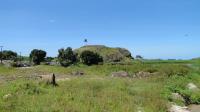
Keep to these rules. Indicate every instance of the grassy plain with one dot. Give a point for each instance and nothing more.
(97, 91)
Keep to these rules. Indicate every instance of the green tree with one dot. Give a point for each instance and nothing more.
(9, 55)
(37, 56)
(66, 57)
(90, 58)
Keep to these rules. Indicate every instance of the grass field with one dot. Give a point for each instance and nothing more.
(97, 91)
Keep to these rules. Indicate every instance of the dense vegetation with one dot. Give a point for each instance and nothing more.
(107, 53)
(8, 55)
(66, 57)
(37, 56)
(89, 58)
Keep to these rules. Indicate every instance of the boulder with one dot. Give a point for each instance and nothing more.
(176, 108)
(177, 96)
(142, 74)
(49, 79)
(78, 73)
(120, 74)
(192, 86)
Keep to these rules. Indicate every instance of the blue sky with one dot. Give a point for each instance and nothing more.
(152, 28)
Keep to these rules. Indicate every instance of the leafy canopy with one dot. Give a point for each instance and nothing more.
(90, 58)
(37, 56)
(66, 57)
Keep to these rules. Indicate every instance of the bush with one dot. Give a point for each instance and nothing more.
(37, 56)
(49, 59)
(15, 64)
(90, 58)
(66, 57)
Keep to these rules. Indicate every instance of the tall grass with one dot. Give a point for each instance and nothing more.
(84, 95)
(97, 91)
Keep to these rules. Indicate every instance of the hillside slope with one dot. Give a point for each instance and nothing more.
(109, 54)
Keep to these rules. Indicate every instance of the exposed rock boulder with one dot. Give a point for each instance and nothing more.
(177, 96)
(120, 74)
(192, 86)
(142, 74)
(176, 108)
(49, 79)
(78, 73)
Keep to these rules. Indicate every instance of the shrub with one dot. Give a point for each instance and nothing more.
(90, 58)
(15, 64)
(66, 57)
(49, 59)
(37, 56)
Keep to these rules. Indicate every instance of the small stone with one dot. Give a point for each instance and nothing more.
(192, 86)
(5, 97)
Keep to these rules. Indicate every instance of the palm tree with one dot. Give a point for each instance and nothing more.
(86, 41)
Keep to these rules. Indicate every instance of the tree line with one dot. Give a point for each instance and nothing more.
(66, 57)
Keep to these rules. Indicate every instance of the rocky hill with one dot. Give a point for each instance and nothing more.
(109, 54)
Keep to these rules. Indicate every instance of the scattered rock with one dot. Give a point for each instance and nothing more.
(49, 79)
(8, 96)
(78, 73)
(176, 108)
(120, 74)
(142, 74)
(192, 86)
(177, 96)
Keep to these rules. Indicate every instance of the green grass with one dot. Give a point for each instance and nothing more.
(178, 84)
(97, 91)
(83, 95)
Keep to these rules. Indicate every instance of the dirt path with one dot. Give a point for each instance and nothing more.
(194, 108)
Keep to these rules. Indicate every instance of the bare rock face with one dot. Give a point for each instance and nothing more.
(192, 86)
(120, 74)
